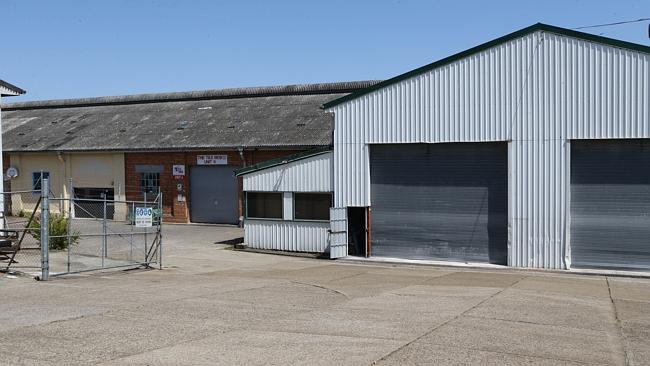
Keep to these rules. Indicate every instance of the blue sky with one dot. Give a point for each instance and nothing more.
(68, 48)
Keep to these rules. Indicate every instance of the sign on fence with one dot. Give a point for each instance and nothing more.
(143, 217)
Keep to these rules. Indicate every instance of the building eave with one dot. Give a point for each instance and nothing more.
(495, 42)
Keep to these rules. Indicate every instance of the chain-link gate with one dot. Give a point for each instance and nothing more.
(84, 234)
(19, 247)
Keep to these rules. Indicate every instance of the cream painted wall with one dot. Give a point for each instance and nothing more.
(87, 170)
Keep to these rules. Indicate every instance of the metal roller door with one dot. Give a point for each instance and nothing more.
(610, 204)
(440, 201)
(214, 193)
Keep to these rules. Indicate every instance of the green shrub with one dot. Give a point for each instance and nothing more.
(58, 228)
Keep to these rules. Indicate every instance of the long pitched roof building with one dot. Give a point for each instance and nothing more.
(128, 146)
(261, 117)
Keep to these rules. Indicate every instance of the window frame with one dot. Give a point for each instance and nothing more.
(143, 179)
(293, 199)
(246, 206)
(36, 179)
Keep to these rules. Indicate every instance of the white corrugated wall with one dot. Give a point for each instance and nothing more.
(537, 92)
(293, 236)
(312, 174)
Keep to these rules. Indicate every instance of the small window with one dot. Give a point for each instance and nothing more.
(36, 179)
(150, 182)
(264, 205)
(312, 206)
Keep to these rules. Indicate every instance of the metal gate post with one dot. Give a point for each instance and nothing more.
(104, 248)
(45, 229)
(146, 259)
(70, 203)
(160, 235)
(132, 225)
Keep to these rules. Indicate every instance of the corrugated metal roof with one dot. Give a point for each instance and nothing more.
(283, 160)
(263, 117)
(495, 42)
(10, 89)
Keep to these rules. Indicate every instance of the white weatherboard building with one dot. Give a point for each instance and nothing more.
(532, 150)
(287, 202)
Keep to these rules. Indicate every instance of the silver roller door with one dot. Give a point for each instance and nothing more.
(610, 204)
(440, 201)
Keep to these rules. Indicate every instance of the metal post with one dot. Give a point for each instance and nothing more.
(45, 229)
(132, 225)
(160, 235)
(104, 248)
(146, 260)
(70, 203)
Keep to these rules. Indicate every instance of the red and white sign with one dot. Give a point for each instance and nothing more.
(212, 159)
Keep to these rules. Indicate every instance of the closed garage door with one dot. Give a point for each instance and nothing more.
(610, 204)
(214, 193)
(440, 201)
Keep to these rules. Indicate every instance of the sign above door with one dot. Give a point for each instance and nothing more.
(212, 159)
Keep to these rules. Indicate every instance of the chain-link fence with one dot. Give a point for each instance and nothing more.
(19, 247)
(84, 234)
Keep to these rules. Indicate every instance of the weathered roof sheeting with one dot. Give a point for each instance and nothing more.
(264, 117)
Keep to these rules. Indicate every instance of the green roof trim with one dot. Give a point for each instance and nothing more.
(520, 33)
(283, 160)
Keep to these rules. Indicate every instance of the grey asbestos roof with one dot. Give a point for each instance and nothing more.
(263, 117)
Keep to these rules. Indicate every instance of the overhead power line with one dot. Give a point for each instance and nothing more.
(616, 23)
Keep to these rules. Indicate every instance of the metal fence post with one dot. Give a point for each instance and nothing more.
(132, 225)
(70, 203)
(146, 260)
(45, 229)
(104, 248)
(160, 235)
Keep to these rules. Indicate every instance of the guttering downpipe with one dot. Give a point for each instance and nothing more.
(241, 155)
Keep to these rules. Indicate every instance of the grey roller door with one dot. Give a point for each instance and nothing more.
(610, 204)
(440, 201)
(214, 195)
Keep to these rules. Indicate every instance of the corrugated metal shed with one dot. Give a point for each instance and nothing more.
(310, 171)
(309, 174)
(264, 117)
(537, 89)
(290, 236)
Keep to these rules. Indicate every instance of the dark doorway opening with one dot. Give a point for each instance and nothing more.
(89, 203)
(357, 232)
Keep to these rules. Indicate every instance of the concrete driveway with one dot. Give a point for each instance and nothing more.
(215, 306)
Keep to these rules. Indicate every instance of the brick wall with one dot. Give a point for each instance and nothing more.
(173, 210)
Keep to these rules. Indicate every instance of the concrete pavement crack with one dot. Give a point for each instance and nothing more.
(324, 288)
(436, 327)
(619, 326)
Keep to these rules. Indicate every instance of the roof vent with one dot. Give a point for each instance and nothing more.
(183, 125)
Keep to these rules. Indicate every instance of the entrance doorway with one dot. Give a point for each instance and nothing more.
(357, 231)
(89, 203)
